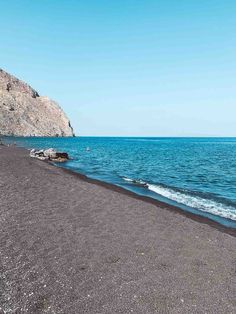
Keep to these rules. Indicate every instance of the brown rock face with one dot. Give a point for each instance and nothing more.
(24, 113)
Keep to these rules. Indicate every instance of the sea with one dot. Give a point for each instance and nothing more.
(197, 175)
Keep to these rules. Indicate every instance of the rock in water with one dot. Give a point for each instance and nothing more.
(49, 154)
(24, 113)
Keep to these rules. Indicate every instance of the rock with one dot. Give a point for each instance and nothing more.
(32, 153)
(59, 159)
(62, 155)
(23, 112)
(49, 154)
(37, 153)
(42, 158)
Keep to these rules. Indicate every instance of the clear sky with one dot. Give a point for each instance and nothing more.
(135, 68)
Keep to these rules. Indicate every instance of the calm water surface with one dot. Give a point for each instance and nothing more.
(196, 174)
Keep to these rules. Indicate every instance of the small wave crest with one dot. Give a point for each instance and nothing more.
(193, 201)
(137, 182)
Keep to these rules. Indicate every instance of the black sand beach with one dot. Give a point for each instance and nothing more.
(69, 245)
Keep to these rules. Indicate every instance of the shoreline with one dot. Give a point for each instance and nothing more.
(194, 201)
(157, 203)
(199, 218)
(70, 244)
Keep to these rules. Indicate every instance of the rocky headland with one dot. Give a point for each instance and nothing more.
(23, 112)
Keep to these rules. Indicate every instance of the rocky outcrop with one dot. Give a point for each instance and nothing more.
(49, 154)
(23, 112)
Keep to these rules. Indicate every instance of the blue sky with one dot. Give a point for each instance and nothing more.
(135, 68)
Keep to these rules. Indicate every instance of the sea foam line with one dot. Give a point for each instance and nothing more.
(196, 202)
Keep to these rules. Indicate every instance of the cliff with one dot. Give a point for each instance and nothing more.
(24, 113)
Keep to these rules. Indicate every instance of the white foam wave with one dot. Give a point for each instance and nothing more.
(138, 182)
(127, 179)
(196, 202)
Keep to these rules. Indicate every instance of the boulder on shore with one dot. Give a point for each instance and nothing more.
(49, 154)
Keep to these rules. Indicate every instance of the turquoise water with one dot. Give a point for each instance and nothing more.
(196, 174)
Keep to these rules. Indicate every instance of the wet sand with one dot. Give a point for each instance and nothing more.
(72, 245)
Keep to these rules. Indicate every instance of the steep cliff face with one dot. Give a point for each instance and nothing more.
(24, 113)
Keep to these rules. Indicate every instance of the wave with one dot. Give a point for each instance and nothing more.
(136, 182)
(193, 201)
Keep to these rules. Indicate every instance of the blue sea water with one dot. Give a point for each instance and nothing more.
(195, 174)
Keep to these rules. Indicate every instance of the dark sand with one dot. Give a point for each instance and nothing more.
(71, 246)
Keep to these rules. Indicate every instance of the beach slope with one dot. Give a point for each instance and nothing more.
(71, 246)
